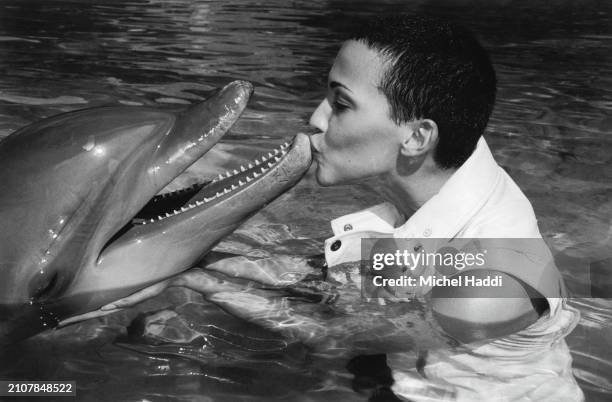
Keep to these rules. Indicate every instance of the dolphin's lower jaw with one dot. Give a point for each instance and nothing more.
(92, 171)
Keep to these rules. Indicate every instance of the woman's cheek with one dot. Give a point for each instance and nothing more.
(333, 140)
(340, 129)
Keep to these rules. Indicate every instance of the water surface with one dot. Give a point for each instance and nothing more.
(550, 130)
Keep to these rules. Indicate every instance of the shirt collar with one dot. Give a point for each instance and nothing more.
(465, 192)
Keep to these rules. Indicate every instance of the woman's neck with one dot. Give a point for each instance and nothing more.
(410, 192)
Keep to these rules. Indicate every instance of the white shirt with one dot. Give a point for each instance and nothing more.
(480, 200)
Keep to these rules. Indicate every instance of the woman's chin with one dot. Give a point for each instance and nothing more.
(324, 178)
(323, 182)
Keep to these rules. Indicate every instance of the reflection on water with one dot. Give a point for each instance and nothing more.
(550, 130)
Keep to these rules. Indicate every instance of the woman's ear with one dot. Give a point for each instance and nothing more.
(419, 137)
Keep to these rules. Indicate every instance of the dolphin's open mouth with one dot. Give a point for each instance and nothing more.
(204, 194)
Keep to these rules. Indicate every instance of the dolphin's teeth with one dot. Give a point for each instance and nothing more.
(276, 151)
(270, 164)
(248, 179)
(234, 186)
(152, 220)
(227, 190)
(255, 175)
(264, 170)
(263, 158)
(168, 215)
(235, 171)
(183, 209)
(220, 176)
(277, 158)
(219, 194)
(198, 203)
(242, 168)
(159, 218)
(228, 174)
(257, 162)
(192, 205)
(250, 166)
(285, 145)
(208, 199)
(240, 182)
(270, 154)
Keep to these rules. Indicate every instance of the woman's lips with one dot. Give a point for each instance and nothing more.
(316, 155)
(313, 148)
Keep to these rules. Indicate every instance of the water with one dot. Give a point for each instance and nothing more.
(550, 130)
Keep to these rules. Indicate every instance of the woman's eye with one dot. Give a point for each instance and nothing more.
(339, 106)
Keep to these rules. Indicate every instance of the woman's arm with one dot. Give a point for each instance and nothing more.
(268, 271)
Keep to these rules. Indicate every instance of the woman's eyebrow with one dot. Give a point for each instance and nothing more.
(336, 84)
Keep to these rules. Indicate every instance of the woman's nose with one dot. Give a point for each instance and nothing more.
(320, 116)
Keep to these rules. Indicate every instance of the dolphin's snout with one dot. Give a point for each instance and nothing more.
(244, 86)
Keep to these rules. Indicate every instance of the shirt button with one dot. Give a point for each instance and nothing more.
(348, 227)
(336, 245)
(427, 232)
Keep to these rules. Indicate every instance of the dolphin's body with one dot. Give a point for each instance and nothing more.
(80, 223)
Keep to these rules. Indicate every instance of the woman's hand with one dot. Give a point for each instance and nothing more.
(270, 270)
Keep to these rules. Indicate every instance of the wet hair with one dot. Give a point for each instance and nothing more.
(438, 71)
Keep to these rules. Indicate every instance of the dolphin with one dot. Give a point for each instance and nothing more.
(82, 221)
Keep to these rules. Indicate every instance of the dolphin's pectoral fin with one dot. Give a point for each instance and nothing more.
(87, 316)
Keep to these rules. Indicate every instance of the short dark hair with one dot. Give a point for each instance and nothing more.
(436, 71)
